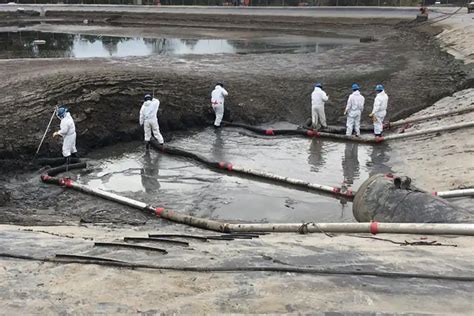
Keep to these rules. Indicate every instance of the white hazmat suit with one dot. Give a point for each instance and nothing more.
(318, 97)
(354, 108)
(149, 120)
(68, 132)
(217, 102)
(379, 111)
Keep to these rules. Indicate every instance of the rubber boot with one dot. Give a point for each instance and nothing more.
(75, 155)
(67, 161)
(147, 146)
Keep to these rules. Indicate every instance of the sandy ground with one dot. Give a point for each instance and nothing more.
(49, 288)
(444, 161)
(458, 36)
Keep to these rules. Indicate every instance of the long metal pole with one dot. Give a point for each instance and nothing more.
(46, 131)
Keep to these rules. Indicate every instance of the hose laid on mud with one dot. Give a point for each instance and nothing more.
(308, 133)
(229, 167)
(430, 131)
(278, 269)
(373, 227)
(389, 125)
(455, 193)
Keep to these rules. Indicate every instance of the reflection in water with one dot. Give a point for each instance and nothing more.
(21, 45)
(350, 163)
(379, 157)
(194, 189)
(316, 158)
(218, 146)
(149, 172)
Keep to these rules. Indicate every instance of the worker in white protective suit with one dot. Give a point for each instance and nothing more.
(67, 130)
(217, 102)
(354, 108)
(149, 120)
(380, 110)
(318, 97)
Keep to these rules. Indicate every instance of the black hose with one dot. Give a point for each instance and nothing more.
(55, 161)
(315, 271)
(330, 133)
(269, 131)
(146, 239)
(138, 247)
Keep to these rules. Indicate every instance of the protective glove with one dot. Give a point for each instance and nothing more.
(55, 134)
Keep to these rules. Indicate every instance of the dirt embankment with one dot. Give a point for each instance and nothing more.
(105, 94)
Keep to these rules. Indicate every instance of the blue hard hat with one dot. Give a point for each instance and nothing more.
(147, 97)
(318, 85)
(355, 86)
(379, 87)
(62, 111)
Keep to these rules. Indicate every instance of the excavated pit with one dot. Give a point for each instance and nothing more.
(104, 96)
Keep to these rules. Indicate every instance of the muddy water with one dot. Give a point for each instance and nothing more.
(34, 44)
(185, 185)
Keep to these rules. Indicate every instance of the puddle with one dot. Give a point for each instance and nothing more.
(35, 44)
(184, 185)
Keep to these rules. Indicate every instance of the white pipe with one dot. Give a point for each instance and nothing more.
(314, 186)
(455, 193)
(431, 116)
(373, 227)
(429, 131)
(106, 195)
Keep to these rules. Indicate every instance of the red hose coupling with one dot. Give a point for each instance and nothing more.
(435, 193)
(349, 192)
(389, 176)
(159, 211)
(336, 190)
(45, 177)
(312, 133)
(269, 132)
(374, 228)
(66, 182)
(379, 139)
(225, 165)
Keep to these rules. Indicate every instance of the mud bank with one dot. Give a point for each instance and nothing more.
(104, 94)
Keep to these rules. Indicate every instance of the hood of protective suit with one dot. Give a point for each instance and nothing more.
(67, 115)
